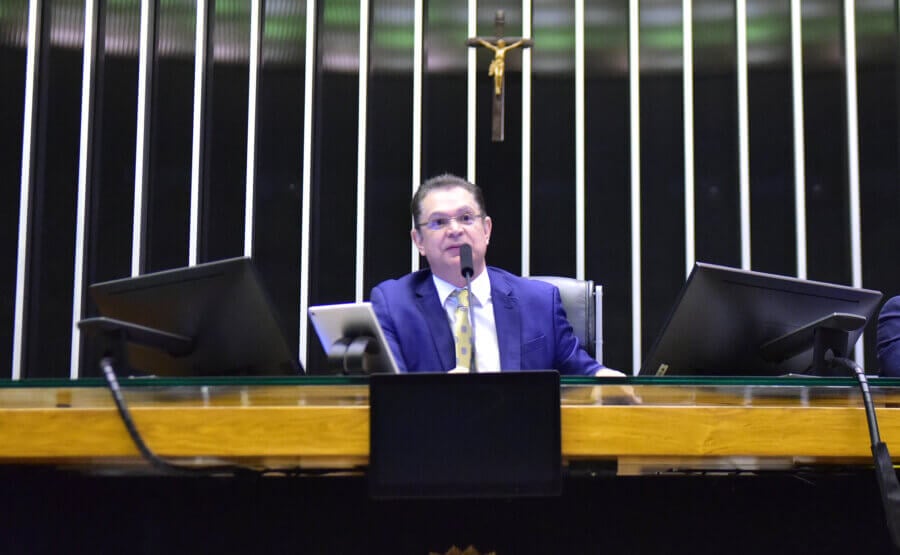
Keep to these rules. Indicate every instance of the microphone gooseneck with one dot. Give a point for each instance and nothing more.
(885, 475)
(467, 270)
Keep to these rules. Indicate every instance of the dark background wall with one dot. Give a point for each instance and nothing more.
(277, 241)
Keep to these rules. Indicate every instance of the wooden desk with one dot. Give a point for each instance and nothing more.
(303, 423)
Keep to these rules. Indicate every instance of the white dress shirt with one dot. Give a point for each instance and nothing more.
(487, 351)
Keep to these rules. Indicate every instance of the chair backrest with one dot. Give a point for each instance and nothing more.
(580, 301)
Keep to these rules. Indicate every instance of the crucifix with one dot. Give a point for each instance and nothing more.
(499, 45)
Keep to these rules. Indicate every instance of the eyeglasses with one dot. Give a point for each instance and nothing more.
(443, 222)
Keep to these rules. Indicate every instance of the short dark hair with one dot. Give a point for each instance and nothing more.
(443, 181)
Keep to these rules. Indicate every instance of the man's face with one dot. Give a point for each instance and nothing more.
(452, 207)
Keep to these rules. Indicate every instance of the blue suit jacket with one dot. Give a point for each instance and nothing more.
(532, 330)
(889, 338)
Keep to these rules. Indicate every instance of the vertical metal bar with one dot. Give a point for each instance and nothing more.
(418, 68)
(799, 144)
(743, 132)
(634, 85)
(30, 116)
(197, 145)
(361, 149)
(84, 170)
(687, 80)
(145, 68)
(472, 30)
(526, 141)
(579, 141)
(853, 149)
(256, 26)
(308, 91)
(598, 323)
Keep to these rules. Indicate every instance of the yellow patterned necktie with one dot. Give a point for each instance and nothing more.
(462, 330)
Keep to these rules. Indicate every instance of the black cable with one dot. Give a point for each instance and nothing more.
(162, 465)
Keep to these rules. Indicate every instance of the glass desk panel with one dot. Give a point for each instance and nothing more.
(641, 424)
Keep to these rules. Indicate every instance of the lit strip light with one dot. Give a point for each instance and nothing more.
(634, 84)
(579, 141)
(34, 24)
(853, 150)
(418, 67)
(307, 173)
(148, 14)
(470, 97)
(526, 141)
(361, 149)
(199, 83)
(743, 132)
(687, 81)
(256, 22)
(799, 145)
(84, 152)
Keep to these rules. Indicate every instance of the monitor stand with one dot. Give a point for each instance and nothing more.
(116, 333)
(831, 333)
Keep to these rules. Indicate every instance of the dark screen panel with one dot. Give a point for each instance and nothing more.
(825, 131)
(662, 164)
(51, 237)
(279, 161)
(444, 92)
(225, 153)
(111, 192)
(332, 271)
(553, 174)
(510, 420)
(13, 30)
(389, 143)
(772, 219)
(115, 128)
(168, 194)
(553, 146)
(878, 91)
(607, 173)
(717, 224)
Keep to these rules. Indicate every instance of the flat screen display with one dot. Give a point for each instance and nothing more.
(220, 306)
(724, 316)
(465, 435)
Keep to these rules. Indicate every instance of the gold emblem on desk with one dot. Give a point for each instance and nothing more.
(457, 551)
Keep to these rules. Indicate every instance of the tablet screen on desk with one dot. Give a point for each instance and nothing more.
(338, 323)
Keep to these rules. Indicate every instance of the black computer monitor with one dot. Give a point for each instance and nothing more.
(726, 322)
(214, 319)
(494, 434)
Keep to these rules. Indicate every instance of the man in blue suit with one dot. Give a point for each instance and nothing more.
(889, 338)
(520, 324)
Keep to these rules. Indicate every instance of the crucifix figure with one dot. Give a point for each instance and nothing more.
(499, 45)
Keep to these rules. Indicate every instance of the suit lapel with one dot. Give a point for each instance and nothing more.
(508, 318)
(433, 312)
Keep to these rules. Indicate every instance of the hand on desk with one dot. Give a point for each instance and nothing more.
(609, 373)
(613, 394)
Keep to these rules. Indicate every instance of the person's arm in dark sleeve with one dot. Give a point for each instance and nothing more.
(383, 313)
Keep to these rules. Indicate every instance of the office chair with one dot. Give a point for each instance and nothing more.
(583, 303)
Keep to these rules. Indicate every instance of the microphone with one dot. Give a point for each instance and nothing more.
(467, 269)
